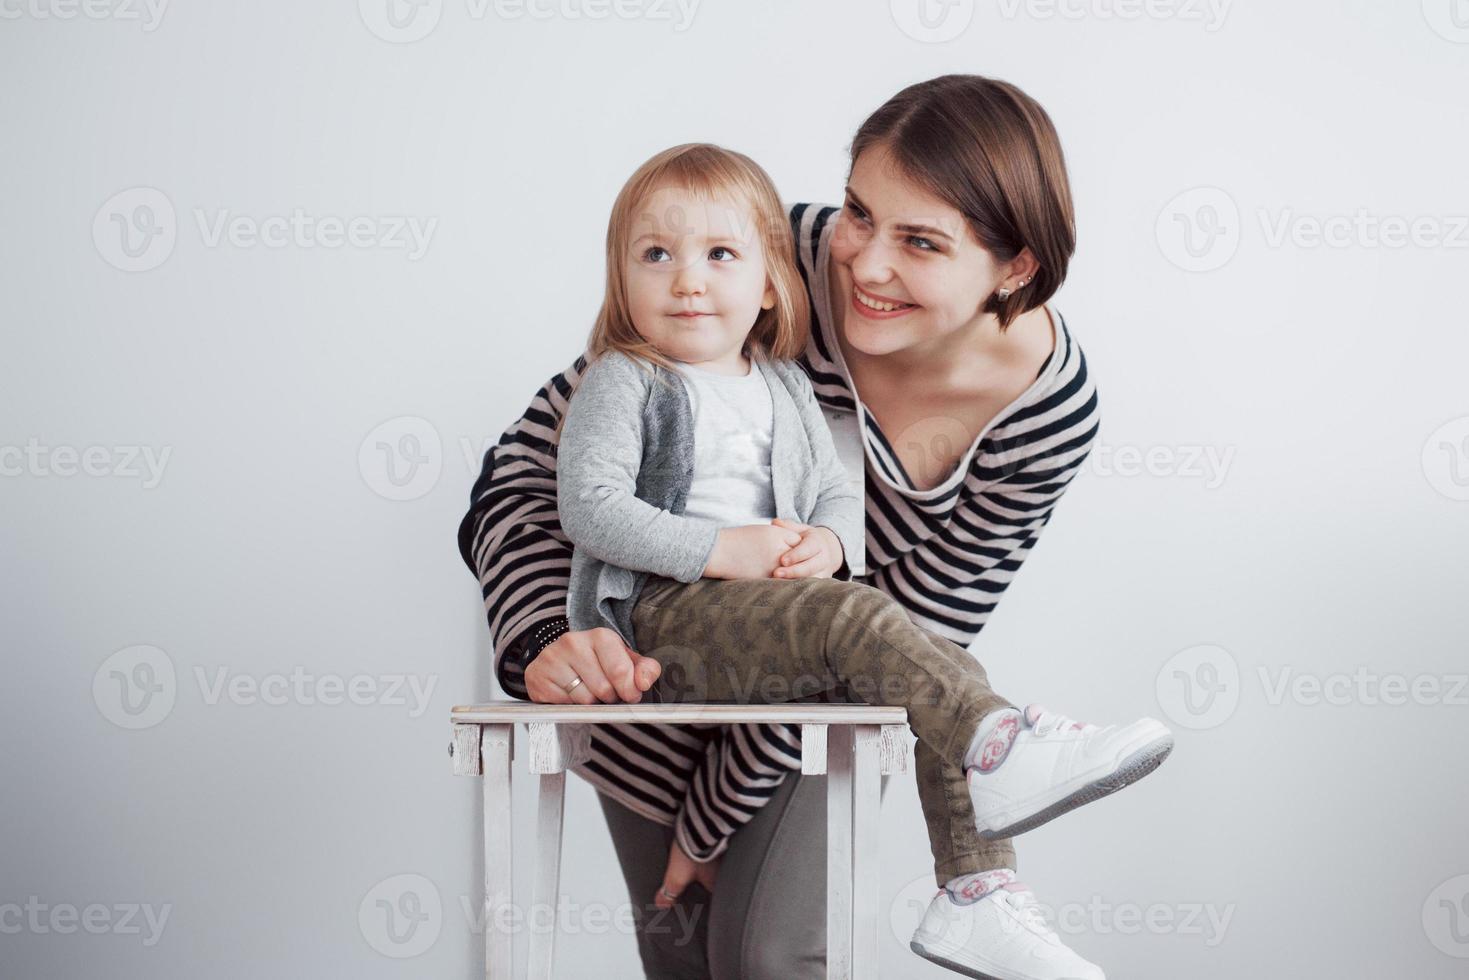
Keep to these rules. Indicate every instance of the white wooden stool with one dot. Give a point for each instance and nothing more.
(868, 740)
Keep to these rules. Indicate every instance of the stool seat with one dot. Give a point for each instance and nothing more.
(868, 740)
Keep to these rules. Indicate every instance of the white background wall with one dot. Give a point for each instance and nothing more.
(1287, 836)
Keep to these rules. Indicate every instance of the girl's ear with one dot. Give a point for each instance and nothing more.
(768, 302)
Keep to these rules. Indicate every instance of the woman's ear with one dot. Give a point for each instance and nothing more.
(1023, 268)
(768, 302)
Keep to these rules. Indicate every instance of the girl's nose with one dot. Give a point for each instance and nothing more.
(688, 282)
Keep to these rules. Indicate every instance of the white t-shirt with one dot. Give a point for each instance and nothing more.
(734, 422)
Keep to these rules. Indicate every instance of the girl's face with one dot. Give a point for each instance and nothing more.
(695, 274)
(908, 271)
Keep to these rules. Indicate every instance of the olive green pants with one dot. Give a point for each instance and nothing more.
(766, 641)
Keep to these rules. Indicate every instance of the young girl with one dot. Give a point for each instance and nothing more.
(712, 520)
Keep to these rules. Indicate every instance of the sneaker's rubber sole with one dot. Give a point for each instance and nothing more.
(1133, 768)
(944, 961)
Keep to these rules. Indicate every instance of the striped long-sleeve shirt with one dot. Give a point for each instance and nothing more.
(945, 553)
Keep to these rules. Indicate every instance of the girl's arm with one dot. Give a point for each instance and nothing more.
(600, 458)
(838, 501)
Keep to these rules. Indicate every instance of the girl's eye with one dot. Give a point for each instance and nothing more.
(651, 254)
(720, 248)
(927, 245)
(857, 212)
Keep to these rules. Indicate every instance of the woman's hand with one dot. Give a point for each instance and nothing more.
(683, 869)
(610, 670)
(751, 551)
(818, 555)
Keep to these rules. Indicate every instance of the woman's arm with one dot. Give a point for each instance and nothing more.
(511, 537)
(600, 457)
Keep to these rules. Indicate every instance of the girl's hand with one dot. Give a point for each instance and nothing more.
(819, 555)
(682, 870)
(610, 670)
(751, 551)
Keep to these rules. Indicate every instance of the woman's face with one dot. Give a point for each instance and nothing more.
(695, 274)
(898, 247)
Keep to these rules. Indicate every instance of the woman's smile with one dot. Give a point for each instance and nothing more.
(878, 307)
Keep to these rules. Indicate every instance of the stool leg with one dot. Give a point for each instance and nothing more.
(839, 787)
(866, 859)
(495, 754)
(549, 813)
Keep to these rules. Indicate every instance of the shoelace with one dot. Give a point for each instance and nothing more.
(1028, 910)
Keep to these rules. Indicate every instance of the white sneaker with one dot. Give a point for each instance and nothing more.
(1057, 764)
(1003, 936)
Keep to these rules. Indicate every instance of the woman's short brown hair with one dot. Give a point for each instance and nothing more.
(989, 150)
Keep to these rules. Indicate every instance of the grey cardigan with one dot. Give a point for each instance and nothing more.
(625, 465)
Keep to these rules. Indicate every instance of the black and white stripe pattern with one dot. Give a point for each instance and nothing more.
(946, 554)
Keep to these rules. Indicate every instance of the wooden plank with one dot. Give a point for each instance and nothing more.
(464, 750)
(813, 750)
(866, 856)
(496, 754)
(557, 746)
(839, 853)
(893, 748)
(549, 824)
(793, 713)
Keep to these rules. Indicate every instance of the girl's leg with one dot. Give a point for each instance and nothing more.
(671, 942)
(957, 848)
(768, 916)
(760, 641)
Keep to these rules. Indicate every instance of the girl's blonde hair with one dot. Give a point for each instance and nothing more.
(707, 171)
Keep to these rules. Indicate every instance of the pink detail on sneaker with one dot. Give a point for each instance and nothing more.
(1033, 714)
(997, 746)
(982, 884)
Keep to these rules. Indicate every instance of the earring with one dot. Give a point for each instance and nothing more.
(1003, 295)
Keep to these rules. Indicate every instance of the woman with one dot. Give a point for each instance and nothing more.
(928, 291)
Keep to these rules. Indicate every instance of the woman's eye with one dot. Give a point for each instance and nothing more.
(857, 212)
(720, 249)
(926, 246)
(651, 255)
